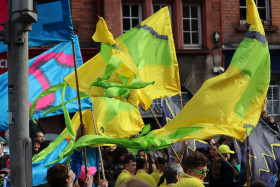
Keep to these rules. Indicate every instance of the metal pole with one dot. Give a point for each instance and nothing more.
(20, 17)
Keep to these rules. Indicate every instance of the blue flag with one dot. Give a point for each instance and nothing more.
(45, 71)
(54, 24)
(264, 155)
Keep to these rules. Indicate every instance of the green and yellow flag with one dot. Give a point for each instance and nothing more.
(149, 53)
(224, 105)
(227, 103)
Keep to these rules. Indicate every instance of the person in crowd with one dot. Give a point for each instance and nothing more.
(128, 171)
(257, 184)
(157, 173)
(272, 124)
(171, 174)
(43, 145)
(107, 153)
(195, 167)
(222, 173)
(61, 175)
(39, 136)
(264, 115)
(142, 172)
(119, 155)
(144, 155)
(134, 183)
(36, 146)
(82, 176)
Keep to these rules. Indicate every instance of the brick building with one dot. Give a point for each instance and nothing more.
(195, 24)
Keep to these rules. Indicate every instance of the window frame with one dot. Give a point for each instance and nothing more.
(267, 11)
(199, 45)
(130, 14)
(272, 100)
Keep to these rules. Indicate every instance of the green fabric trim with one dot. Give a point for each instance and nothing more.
(140, 52)
(43, 94)
(53, 109)
(253, 58)
(106, 51)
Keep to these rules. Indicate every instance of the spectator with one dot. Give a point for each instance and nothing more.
(128, 171)
(142, 172)
(195, 167)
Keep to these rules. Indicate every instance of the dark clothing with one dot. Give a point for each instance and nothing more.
(226, 177)
(274, 126)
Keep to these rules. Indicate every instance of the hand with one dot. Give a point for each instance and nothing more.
(103, 183)
(80, 131)
(88, 181)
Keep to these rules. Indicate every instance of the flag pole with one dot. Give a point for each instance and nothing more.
(80, 109)
(181, 100)
(99, 149)
(171, 145)
(248, 163)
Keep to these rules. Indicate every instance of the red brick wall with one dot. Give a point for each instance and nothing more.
(231, 22)
(84, 16)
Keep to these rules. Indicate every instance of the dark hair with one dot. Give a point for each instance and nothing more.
(118, 152)
(140, 163)
(161, 160)
(128, 159)
(57, 175)
(43, 145)
(195, 159)
(258, 184)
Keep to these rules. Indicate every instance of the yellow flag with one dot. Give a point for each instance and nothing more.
(102, 34)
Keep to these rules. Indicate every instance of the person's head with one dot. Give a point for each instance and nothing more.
(264, 114)
(142, 154)
(225, 151)
(44, 145)
(59, 175)
(36, 146)
(2, 141)
(40, 136)
(162, 163)
(130, 164)
(135, 183)
(109, 149)
(213, 150)
(119, 154)
(196, 165)
(258, 184)
(271, 119)
(172, 172)
(140, 163)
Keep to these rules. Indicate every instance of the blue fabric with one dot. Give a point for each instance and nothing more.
(39, 169)
(54, 25)
(264, 147)
(45, 71)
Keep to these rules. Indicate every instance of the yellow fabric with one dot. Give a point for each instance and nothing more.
(123, 125)
(102, 34)
(167, 80)
(123, 177)
(156, 174)
(168, 185)
(212, 109)
(253, 18)
(189, 181)
(144, 176)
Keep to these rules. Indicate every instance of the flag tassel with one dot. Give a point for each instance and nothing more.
(171, 145)
(80, 108)
(99, 150)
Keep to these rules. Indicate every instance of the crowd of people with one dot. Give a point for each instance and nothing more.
(214, 166)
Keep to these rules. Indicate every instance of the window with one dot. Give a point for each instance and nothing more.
(131, 16)
(157, 7)
(273, 100)
(192, 26)
(263, 8)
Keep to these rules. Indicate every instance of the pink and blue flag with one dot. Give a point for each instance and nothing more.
(45, 71)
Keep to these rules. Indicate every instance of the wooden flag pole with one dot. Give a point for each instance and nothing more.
(80, 108)
(181, 100)
(171, 145)
(248, 163)
(99, 149)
